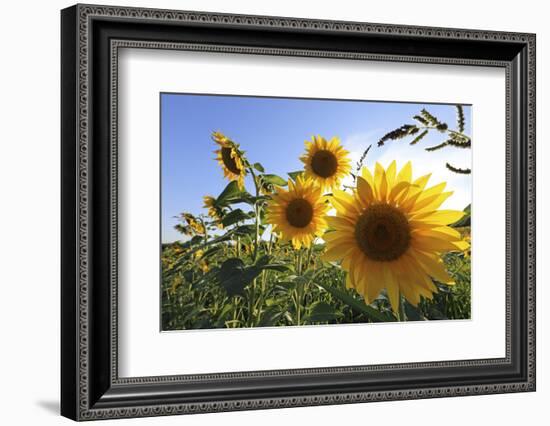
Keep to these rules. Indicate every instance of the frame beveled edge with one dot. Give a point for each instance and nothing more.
(115, 46)
(75, 199)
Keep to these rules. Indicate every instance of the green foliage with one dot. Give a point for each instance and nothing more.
(419, 137)
(427, 122)
(321, 312)
(399, 133)
(228, 274)
(458, 170)
(356, 304)
(359, 164)
(228, 196)
(274, 180)
(465, 221)
(258, 167)
(451, 302)
(233, 217)
(460, 121)
(219, 297)
(433, 121)
(294, 175)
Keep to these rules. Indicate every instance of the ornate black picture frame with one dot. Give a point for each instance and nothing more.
(91, 37)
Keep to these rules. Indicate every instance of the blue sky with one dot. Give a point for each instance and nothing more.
(272, 131)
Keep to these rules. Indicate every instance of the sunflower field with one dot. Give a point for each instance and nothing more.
(306, 249)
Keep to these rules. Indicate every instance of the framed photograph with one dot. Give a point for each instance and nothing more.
(263, 212)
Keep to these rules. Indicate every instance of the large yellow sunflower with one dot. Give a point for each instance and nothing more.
(230, 158)
(390, 234)
(298, 215)
(326, 162)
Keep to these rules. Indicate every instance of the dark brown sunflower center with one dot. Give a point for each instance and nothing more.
(324, 163)
(229, 161)
(382, 232)
(299, 213)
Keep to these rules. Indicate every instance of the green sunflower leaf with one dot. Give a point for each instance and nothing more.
(259, 167)
(466, 219)
(234, 217)
(322, 312)
(355, 304)
(232, 276)
(274, 180)
(412, 313)
(294, 175)
(270, 316)
(231, 191)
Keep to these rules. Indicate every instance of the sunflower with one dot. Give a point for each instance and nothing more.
(298, 214)
(230, 158)
(214, 212)
(202, 263)
(194, 225)
(326, 162)
(209, 203)
(390, 234)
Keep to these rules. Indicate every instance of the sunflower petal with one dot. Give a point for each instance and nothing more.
(422, 181)
(375, 280)
(434, 203)
(340, 223)
(439, 217)
(390, 174)
(397, 190)
(366, 174)
(439, 232)
(383, 188)
(433, 267)
(429, 195)
(405, 175)
(392, 286)
(378, 170)
(337, 252)
(419, 276)
(409, 290)
(431, 243)
(365, 190)
(351, 275)
(343, 202)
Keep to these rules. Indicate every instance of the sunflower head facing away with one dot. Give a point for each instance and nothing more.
(213, 211)
(326, 162)
(298, 214)
(389, 234)
(230, 158)
(191, 225)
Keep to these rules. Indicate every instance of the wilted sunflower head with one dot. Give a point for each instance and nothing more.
(194, 225)
(326, 162)
(389, 234)
(230, 158)
(213, 211)
(298, 214)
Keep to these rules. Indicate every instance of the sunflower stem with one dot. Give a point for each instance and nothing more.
(251, 298)
(299, 288)
(309, 253)
(257, 210)
(401, 311)
(205, 230)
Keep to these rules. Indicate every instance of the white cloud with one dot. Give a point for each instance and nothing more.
(423, 162)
